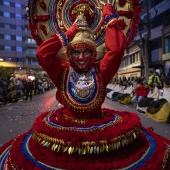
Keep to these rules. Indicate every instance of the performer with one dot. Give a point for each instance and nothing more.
(81, 135)
(85, 80)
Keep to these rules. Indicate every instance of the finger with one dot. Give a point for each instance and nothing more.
(102, 3)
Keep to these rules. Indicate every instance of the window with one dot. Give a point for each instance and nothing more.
(29, 61)
(7, 26)
(18, 16)
(19, 49)
(30, 41)
(7, 48)
(18, 38)
(167, 44)
(19, 59)
(6, 3)
(7, 37)
(18, 5)
(31, 51)
(18, 27)
(7, 14)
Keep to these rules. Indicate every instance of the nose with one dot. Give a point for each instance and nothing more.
(81, 56)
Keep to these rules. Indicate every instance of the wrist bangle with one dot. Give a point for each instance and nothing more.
(110, 17)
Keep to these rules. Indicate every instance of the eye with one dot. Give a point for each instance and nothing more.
(75, 53)
(87, 52)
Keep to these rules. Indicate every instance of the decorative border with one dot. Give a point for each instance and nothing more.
(52, 125)
(148, 153)
(86, 147)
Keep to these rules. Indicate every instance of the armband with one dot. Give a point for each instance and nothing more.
(110, 17)
(63, 38)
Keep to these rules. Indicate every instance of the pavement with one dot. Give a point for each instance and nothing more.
(16, 118)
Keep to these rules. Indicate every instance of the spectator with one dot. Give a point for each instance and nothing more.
(157, 80)
(151, 77)
(160, 110)
(145, 101)
(28, 89)
(126, 96)
(140, 92)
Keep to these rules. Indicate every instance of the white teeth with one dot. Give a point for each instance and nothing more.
(81, 62)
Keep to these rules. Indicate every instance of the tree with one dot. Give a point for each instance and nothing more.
(144, 40)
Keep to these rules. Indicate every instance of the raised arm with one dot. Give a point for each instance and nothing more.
(114, 41)
(47, 52)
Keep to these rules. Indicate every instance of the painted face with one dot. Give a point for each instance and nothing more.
(82, 58)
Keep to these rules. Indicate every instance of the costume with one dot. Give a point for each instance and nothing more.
(81, 135)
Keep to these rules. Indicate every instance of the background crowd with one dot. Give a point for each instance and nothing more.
(151, 97)
(16, 89)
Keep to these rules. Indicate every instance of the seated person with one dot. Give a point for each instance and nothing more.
(145, 101)
(116, 94)
(141, 91)
(126, 96)
(117, 88)
(160, 110)
(109, 87)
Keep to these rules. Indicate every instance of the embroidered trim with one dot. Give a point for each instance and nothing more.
(107, 19)
(63, 38)
(112, 21)
(86, 147)
(53, 125)
(79, 121)
(78, 107)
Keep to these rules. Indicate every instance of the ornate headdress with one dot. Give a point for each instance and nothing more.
(56, 16)
(84, 37)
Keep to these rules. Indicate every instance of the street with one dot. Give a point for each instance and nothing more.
(16, 118)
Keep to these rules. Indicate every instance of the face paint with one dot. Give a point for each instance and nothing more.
(81, 58)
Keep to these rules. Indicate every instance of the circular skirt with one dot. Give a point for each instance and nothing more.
(116, 140)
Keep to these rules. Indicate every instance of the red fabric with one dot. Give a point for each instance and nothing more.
(141, 91)
(107, 10)
(71, 31)
(114, 40)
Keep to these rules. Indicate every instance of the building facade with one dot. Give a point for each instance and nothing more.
(159, 41)
(17, 47)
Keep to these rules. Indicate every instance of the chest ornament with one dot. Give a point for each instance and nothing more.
(82, 92)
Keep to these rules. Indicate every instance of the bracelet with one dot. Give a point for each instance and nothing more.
(110, 17)
(63, 38)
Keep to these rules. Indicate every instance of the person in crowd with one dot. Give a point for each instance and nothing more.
(20, 88)
(157, 80)
(151, 77)
(12, 91)
(28, 89)
(160, 110)
(141, 91)
(117, 88)
(145, 101)
(126, 96)
(116, 94)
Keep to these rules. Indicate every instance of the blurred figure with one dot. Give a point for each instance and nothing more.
(151, 77)
(157, 80)
(145, 101)
(28, 89)
(160, 110)
(141, 91)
